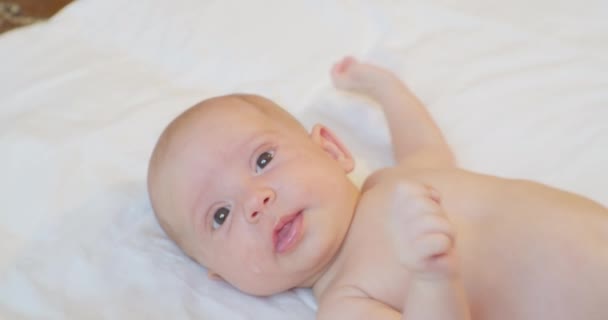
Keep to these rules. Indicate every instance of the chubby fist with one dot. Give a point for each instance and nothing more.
(352, 75)
(422, 235)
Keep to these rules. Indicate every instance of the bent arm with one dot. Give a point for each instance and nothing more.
(425, 301)
(436, 300)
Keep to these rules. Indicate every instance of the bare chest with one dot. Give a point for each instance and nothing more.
(523, 266)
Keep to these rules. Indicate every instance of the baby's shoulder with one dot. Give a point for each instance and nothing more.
(390, 176)
(383, 176)
(434, 177)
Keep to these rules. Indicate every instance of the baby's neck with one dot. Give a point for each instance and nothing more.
(326, 277)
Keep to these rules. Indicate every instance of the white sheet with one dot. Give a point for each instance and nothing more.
(520, 89)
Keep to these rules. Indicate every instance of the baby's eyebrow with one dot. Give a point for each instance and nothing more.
(252, 139)
(199, 212)
(201, 208)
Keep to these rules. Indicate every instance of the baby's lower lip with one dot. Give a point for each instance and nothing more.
(290, 239)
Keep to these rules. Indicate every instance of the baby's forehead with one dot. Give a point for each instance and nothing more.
(218, 124)
(227, 117)
(221, 112)
(209, 134)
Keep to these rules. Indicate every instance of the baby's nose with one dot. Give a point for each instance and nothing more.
(258, 201)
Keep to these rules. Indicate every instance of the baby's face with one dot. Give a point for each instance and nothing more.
(260, 202)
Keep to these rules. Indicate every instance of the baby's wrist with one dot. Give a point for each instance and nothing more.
(443, 268)
(435, 276)
(388, 87)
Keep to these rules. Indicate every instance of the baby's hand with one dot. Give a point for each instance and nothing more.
(423, 236)
(352, 75)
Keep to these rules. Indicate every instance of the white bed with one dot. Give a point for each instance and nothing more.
(520, 89)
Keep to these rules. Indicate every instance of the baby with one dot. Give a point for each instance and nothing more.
(247, 192)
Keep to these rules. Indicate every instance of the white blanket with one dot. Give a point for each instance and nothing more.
(520, 89)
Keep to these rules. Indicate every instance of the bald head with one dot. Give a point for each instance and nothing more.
(177, 136)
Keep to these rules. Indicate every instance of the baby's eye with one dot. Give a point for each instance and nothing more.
(220, 216)
(263, 160)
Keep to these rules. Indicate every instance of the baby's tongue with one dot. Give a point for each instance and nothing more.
(284, 234)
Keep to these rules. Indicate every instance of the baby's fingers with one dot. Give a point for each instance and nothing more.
(426, 240)
(432, 245)
(342, 65)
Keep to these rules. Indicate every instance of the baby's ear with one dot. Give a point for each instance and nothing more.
(330, 143)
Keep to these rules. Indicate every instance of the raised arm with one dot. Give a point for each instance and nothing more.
(417, 141)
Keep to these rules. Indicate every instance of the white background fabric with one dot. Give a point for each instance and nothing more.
(520, 89)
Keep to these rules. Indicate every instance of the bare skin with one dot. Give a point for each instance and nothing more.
(421, 240)
(464, 245)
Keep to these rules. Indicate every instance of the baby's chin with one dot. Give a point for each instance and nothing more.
(278, 281)
(265, 287)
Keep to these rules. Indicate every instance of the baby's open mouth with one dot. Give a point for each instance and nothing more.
(287, 232)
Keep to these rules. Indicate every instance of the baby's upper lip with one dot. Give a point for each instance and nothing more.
(285, 219)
